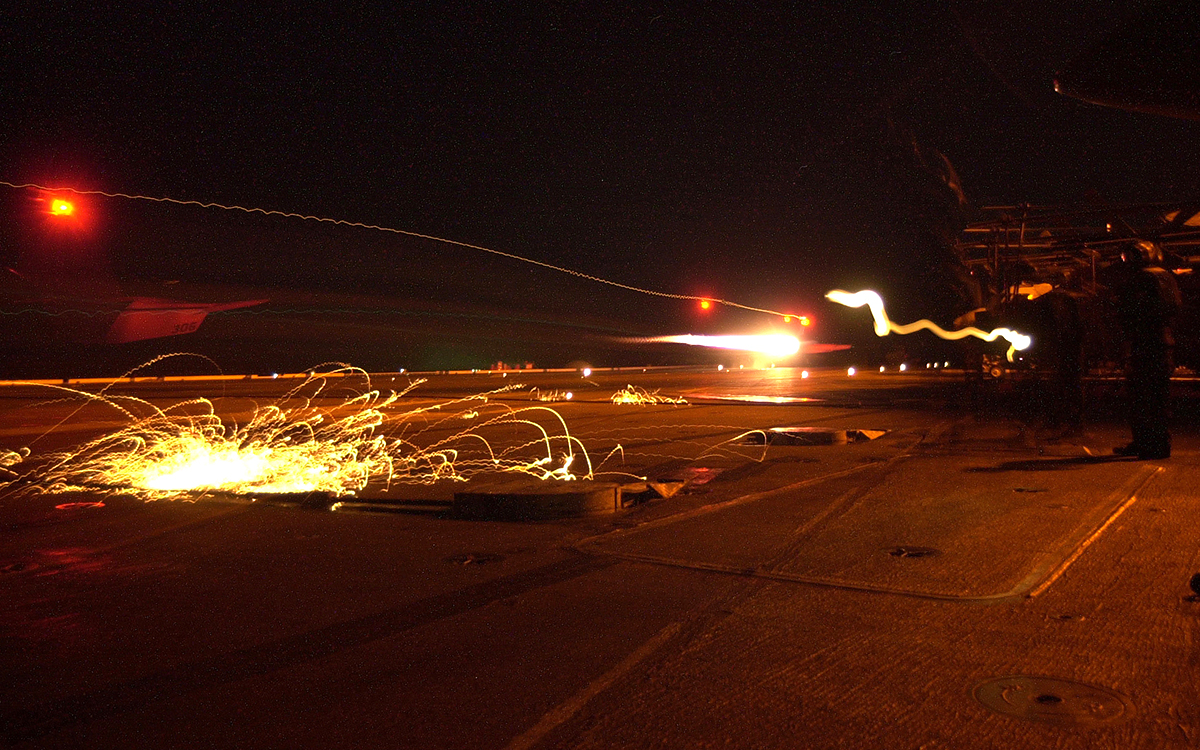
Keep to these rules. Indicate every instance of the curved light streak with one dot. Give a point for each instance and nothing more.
(378, 228)
(884, 326)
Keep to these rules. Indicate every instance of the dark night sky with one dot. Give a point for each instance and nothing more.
(747, 151)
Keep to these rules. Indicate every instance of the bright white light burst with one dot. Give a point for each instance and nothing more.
(770, 344)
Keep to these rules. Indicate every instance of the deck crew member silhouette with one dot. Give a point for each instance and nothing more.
(1147, 300)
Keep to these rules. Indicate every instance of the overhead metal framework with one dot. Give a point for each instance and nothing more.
(1060, 245)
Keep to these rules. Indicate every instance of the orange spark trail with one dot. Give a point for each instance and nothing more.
(309, 440)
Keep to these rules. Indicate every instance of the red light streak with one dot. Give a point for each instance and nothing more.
(378, 228)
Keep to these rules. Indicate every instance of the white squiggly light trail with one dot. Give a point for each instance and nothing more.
(884, 326)
(379, 228)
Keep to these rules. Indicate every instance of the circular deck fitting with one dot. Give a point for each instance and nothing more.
(913, 551)
(799, 436)
(1052, 701)
(809, 436)
(526, 500)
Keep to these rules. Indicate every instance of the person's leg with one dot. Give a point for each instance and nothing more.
(1149, 382)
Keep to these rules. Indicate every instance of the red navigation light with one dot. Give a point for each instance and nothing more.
(805, 321)
(63, 214)
(705, 304)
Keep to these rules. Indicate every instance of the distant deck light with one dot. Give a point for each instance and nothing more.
(851, 371)
(803, 374)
